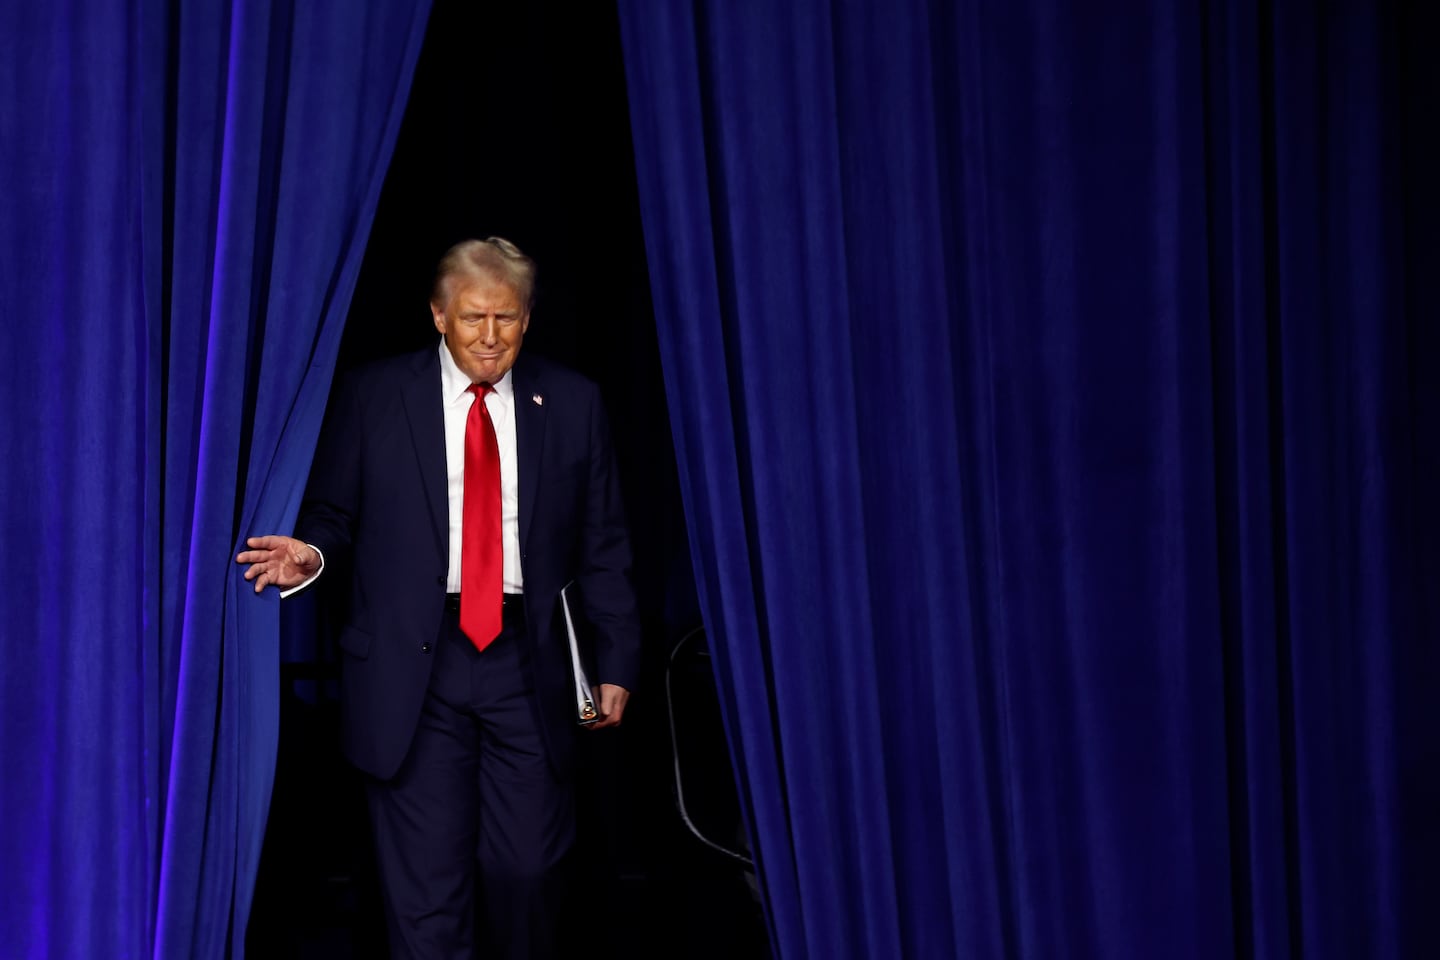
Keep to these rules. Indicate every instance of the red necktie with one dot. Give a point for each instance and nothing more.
(481, 557)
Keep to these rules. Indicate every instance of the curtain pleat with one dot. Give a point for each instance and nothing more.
(1049, 394)
(190, 191)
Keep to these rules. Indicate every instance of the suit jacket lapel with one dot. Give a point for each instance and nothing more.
(529, 440)
(424, 407)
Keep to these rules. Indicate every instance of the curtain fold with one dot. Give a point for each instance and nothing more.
(190, 191)
(1050, 391)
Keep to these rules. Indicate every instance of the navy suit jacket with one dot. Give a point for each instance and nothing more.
(376, 506)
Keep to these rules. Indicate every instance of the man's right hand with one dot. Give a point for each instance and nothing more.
(282, 561)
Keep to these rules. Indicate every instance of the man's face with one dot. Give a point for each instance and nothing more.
(483, 325)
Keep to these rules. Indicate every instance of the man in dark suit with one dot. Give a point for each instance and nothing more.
(456, 687)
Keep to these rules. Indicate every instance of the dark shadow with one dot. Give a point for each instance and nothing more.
(518, 126)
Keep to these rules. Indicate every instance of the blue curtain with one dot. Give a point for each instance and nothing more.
(1054, 391)
(188, 189)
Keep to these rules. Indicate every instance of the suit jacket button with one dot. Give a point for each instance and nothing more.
(440, 580)
(424, 648)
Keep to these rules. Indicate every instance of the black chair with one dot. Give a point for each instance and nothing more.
(705, 792)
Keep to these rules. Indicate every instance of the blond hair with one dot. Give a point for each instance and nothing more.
(493, 258)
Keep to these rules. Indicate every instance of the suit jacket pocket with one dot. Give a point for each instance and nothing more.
(355, 642)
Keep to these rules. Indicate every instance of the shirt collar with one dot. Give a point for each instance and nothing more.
(454, 384)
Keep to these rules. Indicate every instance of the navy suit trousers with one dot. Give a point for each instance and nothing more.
(475, 813)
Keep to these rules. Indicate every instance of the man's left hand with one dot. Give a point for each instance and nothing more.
(612, 705)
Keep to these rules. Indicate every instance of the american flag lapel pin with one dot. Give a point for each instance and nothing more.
(538, 400)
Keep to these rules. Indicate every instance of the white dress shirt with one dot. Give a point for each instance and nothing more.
(455, 391)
